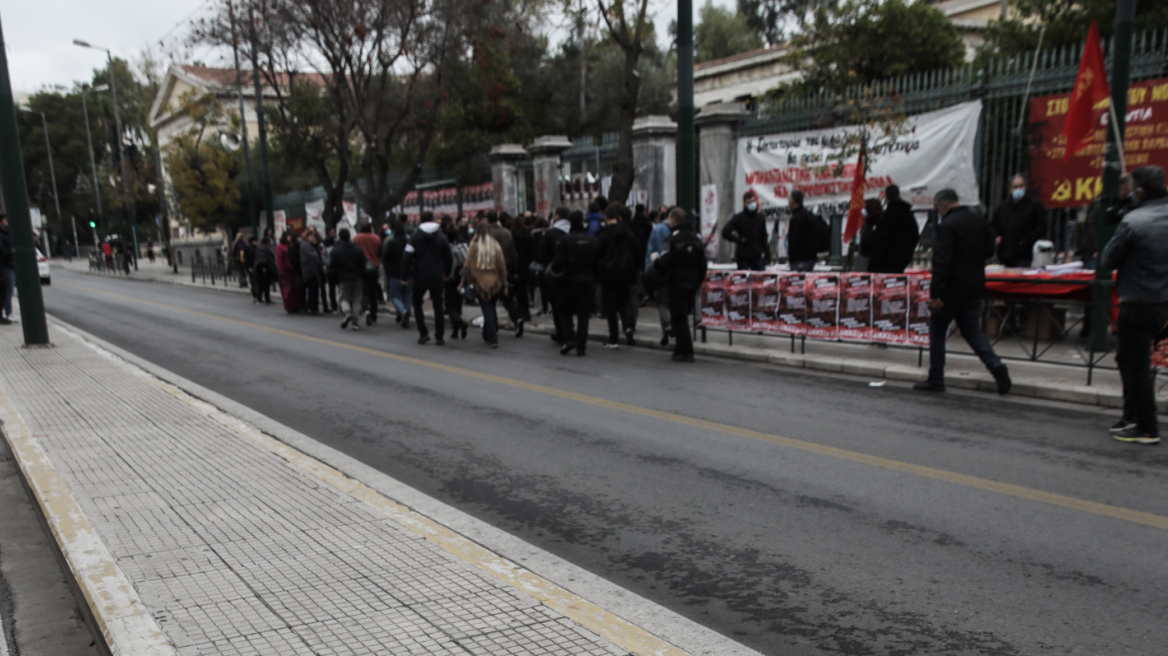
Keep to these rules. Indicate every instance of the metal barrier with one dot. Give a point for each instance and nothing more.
(114, 265)
(209, 272)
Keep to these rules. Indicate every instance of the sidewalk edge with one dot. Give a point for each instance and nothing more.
(217, 288)
(120, 621)
(510, 552)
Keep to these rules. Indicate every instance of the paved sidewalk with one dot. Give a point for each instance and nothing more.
(157, 271)
(190, 531)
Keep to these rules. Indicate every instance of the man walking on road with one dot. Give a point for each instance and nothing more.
(348, 261)
(426, 266)
(575, 265)
(683, 265)
(618, 264)
(961, 246)
(1139, 254)
(747, 230)
(370, 244)
(554, 288)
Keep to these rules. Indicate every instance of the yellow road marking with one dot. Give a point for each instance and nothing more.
(1018, 491)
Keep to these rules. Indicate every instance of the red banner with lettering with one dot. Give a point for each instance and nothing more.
(1076, 181)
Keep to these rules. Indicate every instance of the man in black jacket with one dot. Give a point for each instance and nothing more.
(683, 265)
(961, 246)
(747, 230)
(392, 252)
(426, 266)
(896, 235)
(347, 260)
(553, 288)
(804, 235)
(618, 265)
(1019, 221)
(576, 262)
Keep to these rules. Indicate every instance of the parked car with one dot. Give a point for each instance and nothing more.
(43, 269)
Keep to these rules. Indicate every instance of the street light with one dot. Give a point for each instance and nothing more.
(52, 175)
(89, 137)
(117, 123)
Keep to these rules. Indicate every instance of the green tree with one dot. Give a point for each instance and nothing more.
(774, 20)
(202, 172)
(865, 40)
(722, 33)
(1066, 22)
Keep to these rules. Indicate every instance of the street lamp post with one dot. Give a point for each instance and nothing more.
(89, 140)
(117, 124)
(52, 176)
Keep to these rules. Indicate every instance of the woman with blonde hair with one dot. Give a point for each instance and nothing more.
(486, 268)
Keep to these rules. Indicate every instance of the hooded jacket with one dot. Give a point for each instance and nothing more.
(618, 259)
(391, 254)
(683, 262)
(265, 257)
(347, 261)
(801, 236)
(548, 240)
(427, 258)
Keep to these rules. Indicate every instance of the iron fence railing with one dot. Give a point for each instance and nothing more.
(209, 272)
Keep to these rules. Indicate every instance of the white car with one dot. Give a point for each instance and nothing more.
(43, 269)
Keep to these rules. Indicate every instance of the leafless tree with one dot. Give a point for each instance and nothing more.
(629, 25)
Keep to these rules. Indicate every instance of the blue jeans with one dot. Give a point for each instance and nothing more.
(967, 314)
(7, 290)
(399, 295)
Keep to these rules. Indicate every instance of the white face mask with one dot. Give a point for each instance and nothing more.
(1018, 194)
(752, 207)
(864, 213)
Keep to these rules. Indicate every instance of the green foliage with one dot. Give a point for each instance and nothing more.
(203, 172)
(773, 20)
(1066, 23)
(722, 33)
(290, 165)
(865, 40)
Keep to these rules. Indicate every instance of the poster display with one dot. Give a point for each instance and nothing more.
(889, 309)
(296, 224)
(793, 304)
(714, 299)
(935, 153)
(738, 300)
(918, 309)
(1075, 182)
(279, 222)
(764, 302)
(823, 294)
(314, 214)
(855, 313)
(709, 213)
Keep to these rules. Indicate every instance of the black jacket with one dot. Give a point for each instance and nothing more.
(748, 230)
(801, 244)
(576, 257)
(1019, 224)
(392, 252)
(619, 259)
(683, 262)
(265, 257)
(642, 228)
(895, 239)
(348, 261)
(524, 251)
(546, 252)
(427, 259)
(294, 256)
(5, 249)
(962, 244)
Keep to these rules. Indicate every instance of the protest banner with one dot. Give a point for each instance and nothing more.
(890, 308)
(855, 312)
(793, 303)
(918, 309)
(738, 300)
(714, 299)
(823, 293)
(764, 301)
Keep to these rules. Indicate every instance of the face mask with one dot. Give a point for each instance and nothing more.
(470, 231)
(864, 213)
(1018, 194)
(752, 207)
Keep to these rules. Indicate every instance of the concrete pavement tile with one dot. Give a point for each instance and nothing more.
(412, 585)
(397, 632)
(498, 610)
(199, 589)
(281, 642)
(787, 359)
(165, 564)
(221, 621)
(557, 638)
(351, 599)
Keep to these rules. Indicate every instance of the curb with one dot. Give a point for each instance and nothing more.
(121, 623)
(220, 288)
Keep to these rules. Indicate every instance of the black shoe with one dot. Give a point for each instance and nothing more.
(679, 357)
(398, 318)
(557, 339)
(1136, 435)
(423, 339)
(5, 321)
(439, 342)
(580, 353)
(519, 327)
(929, 386)
(629, 337)
(345, 323)
(406, 319)
(462, 330)
(665, 337)
(368, 319)
(1002, 376)
(1122, 425)
(566, 349)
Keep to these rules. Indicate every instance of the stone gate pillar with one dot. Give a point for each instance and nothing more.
(545, 156)
(509, 182)
(654, 162)
(717, 154)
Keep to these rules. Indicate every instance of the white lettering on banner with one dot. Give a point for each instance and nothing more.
(936, 154)
(710, 219)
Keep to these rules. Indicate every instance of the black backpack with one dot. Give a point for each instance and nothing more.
(820, 233)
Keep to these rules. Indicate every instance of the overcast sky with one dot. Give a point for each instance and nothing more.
(39, 34)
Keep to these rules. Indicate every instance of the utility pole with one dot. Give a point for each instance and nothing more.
(89, 140)
(165, 207)
(52, 176)
(1113, 168)
(583, 61)
(265, 174)
(685, 110)
(28, 280)
(251, 210)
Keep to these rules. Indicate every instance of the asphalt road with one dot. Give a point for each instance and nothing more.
(785, 546)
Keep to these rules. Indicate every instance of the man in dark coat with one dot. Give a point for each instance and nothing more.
(747, 230)
(618, 265)
(683, 266)
(426, 266)
(961, 246)
(348, 260)
(392, 253)
(803, 235)
(642, 227)
(575, 263)
(1019, 221)
(896, 235)
(553, 288)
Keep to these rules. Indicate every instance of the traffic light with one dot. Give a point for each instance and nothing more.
(92, 224)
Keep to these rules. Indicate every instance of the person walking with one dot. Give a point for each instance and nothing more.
(553, 287)
(961, 245)
(426, 265)
(7, 272)
(896, 236)
(683, 266)
(617, 268)
(330, 298)
(370, 244)
(310, 265)
(524, 256)
(348, 261)
(288, 290)
(807, 236)
(486, 268)
(1139, 254)
(239, 258)
(391, 261)
(496, 224)
(297, 269)
(249, 263)
(576, 263)
(1019, 221)
(653, 250)
(453, 289)
(747, 230)
(265, 272)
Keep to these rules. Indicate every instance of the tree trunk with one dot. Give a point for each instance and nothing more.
(623, 172)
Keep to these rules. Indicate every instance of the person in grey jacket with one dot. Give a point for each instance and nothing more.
(1139, 254)
(310, 268)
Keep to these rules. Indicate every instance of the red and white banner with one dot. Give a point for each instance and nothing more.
(738, 300)
(918, 309)
(714, 299)
(855, 311)
(764, 301)
(890, 309)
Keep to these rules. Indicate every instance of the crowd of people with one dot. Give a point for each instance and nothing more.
(573, 265)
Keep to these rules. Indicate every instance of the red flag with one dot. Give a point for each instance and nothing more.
(855, 209)
(1091, 88)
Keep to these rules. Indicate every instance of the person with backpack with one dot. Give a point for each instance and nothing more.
(486, 267)
(458, 251)
(594, 220)
(426, 265)
(391, 260)
(265, 272)
(808, 235)
(682, 265)
(617, 271)
(576, 263)
(747, 230)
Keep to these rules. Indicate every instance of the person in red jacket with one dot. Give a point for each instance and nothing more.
(370, 244)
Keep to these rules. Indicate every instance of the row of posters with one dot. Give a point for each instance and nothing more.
(856, 307)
